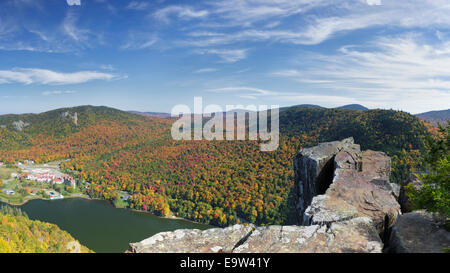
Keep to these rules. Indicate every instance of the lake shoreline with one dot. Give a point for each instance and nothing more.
(6, 201)
(86, 197)
(101, 227)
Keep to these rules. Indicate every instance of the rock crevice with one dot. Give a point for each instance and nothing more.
(359, 186)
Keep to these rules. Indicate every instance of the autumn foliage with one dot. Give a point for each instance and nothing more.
(217, 182)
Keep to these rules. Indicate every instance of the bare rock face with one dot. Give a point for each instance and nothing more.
(314, 170)
(356, 235)
(359, 187)
(325, 210)
(193, 240)
(19, 125)
(419, 232)
(276, 239)
(73, 247)
(73, 116)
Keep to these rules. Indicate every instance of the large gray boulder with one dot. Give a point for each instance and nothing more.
(314, 169)
(354, 236)
(419, 232)
(193, 240)
(359, 187)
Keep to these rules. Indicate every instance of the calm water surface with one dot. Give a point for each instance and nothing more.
(98, 225)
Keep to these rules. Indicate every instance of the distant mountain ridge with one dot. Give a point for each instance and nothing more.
(151, 114)
(353, 107)
(311, 106)
(433, 117)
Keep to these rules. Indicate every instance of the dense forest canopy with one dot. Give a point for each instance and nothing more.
(19, 234)
(217, 182)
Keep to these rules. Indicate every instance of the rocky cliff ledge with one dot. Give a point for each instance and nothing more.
(345, 203)
(336, 181)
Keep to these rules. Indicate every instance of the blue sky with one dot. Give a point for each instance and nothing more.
(152, 55)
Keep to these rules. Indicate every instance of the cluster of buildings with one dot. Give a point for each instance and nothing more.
(48, 176)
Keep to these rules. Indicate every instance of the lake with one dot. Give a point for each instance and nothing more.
(99, 226)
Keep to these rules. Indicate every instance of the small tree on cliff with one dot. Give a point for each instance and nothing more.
(434, 195)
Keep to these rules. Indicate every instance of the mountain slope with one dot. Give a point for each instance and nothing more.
(399, 134)
(18, 131)
(434, 117)
(18, 234)
(217, 182)
(354, 107)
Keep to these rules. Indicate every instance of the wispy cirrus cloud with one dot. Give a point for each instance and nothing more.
(57, 92)
(139, 40)
(180, 12)
(138, 5)
(72, 30)
(403, 72)
(373, 2)
(73, 2)
(254, 93)
(206, 70)
(253, 20)
(245, 91)
(225, 55)
(44, 76)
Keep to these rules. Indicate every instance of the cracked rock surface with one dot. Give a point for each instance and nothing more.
(359, 188)
(193, 240)
(355, 235)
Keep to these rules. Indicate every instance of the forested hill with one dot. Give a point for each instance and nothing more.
(401, 135)
(22, 130)
(63, 121)
(384, 130)
(18, 234)
(217, 182)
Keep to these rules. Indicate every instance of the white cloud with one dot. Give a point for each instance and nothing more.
(71, 29)
(247, 12)
(181, 12)
(205, 70)
(373, 2)
(73, 2)
(44, 76)
(322, 100)
(246, 92)
(226, 55)
(136, 5)
(401, 73)
(291, 98)
(109, 67)
(253, 20)
(58, 92)
(139, 40)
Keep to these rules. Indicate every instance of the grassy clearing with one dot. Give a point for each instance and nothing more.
(119, 203)
(5, 172)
